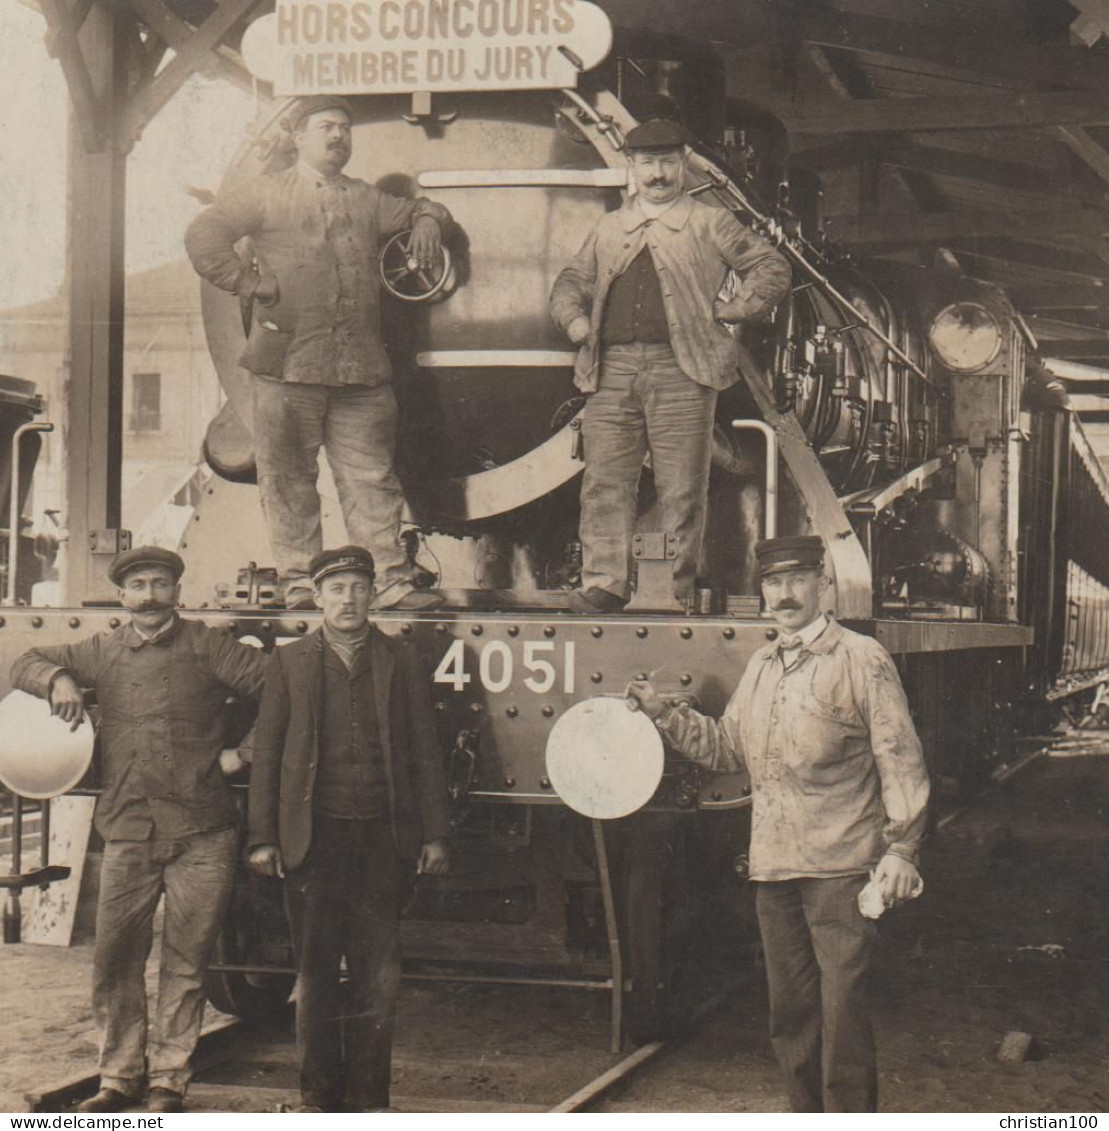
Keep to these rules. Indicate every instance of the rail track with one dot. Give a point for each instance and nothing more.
(239, 1068)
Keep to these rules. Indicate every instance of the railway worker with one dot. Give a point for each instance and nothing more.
(347, 800)
(640, 297)
(839, 788)
(321, 377)
(166, 814)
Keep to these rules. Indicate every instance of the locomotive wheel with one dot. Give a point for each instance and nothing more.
(660, 914)
(253, 997)
(404, 278)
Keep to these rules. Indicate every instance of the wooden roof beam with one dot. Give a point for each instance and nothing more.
(1018, 110)
(1078, 349)
(962, 58)
(90, 108)
(1058, 330)
(849, 82)
(1079, 141)
(970, 166)
(174, 32)
(1033, 297)
(1076, 228)
(978, 57)
(190, 56)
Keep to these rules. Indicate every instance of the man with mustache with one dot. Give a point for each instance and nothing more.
(321, 374)
(166, 814)
(839, 790)
(347, 802)
(641, 298)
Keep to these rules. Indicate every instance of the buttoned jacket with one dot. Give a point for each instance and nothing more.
(308, 330)
(287, 745)
(693, 246)
(161, 704)
(837, 771)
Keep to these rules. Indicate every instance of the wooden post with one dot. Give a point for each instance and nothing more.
(97, 181)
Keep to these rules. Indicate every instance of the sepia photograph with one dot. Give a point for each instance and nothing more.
(554, 557)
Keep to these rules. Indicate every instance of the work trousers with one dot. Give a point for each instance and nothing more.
(356, 425)
(345, 901)
(818, 951)
(644, 402)
(196, 874)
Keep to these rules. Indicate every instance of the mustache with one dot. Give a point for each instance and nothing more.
(152, 606)
(786, 604)
(658, 182)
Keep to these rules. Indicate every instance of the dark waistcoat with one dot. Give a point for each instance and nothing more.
(350, 780)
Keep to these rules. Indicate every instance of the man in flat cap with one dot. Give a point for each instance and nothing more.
(348, 801)
(166, 814)
(321, 374)
(839, 790)
(641, 300)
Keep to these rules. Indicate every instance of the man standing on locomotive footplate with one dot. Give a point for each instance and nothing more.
(839, 790)
(167, 816)
(321, 376)
(347, 801)
(640, 298)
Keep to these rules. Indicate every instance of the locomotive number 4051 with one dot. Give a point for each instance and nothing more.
(538, 668)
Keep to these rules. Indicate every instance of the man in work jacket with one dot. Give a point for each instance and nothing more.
(166, 814)
(641, 298)
(839, 788)
(347, 800)
(321, 374)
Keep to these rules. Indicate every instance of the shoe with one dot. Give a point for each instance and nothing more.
(302, 1109)
(165, 1100)
(594, 600)
(300, 597)
(107, 1099)
(416, 600)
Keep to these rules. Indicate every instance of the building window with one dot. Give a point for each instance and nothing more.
(146, 402)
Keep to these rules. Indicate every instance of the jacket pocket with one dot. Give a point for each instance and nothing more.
(831, 694)
(266, 349)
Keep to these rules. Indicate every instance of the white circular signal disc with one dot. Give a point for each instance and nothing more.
(604, 760)
(40, 757)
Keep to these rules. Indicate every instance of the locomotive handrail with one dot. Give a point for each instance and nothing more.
(770, 506)
(723, 184)
(10, 597)
(605, 126)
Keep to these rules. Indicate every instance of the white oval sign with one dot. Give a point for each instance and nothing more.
(402, 46)
(40, 757)
(604, 760)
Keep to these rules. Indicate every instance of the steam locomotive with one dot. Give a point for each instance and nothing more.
(897, 411)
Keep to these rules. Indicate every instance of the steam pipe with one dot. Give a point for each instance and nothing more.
(13, 507)
(770, 506)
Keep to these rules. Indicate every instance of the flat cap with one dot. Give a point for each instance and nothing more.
(144, 557)
(345, 558)
(803, 551)
(657, 133)
(315, 104)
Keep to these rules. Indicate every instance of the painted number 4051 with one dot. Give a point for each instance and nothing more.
(542, 666)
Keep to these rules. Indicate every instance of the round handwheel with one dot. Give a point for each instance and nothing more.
(404, 278)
